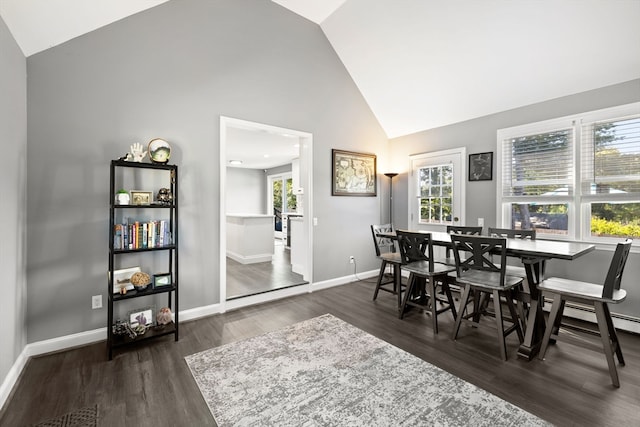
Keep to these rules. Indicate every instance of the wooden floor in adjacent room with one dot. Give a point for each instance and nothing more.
(251, 279)
(150, 384)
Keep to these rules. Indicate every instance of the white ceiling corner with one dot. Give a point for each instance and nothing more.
(314, 10)
(38, 25)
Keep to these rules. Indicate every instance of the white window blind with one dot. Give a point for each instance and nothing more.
(611, 157)
(539, 164)
(575, 177)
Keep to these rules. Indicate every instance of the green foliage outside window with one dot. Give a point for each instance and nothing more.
(603, 227)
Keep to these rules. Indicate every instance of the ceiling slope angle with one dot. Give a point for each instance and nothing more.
(422, 65)
(38, 25)
(314, 10)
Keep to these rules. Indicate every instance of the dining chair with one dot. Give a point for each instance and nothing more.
(479, 276)
(596, 295)
(518, 270)
(386, 251)
(512, 233)
(459, 229)
(416, 252)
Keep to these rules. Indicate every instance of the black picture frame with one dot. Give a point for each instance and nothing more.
(481, 166)
(162, 280)
(146, 315)
(353, 174)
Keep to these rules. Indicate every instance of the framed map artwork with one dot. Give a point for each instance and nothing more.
(353, 174)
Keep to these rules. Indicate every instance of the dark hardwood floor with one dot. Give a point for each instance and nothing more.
(251, 279)
(150, 385)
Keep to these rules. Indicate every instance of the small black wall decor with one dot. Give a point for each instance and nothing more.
(481, 166)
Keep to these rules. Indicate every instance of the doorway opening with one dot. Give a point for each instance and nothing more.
(265, 211)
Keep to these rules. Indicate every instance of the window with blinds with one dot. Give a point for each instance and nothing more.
(611, 157)
(539, 164)
(573, 177)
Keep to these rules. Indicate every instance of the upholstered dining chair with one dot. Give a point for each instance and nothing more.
(425, 277)
(386, 251)
(596, 295)
(478, 275)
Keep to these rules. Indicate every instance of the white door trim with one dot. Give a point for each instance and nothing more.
(306, 183)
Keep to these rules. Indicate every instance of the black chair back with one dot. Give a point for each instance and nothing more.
(463, 229)
(614, 276)
(382, 242)
(478, 254)
(415, 247)
(511, 233)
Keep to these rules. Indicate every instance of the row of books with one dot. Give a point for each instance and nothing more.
(141, 235)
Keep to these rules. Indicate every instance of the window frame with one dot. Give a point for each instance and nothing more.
(579, 204)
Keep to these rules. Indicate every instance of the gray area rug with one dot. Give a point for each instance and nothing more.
(325, 372)
(85, 417)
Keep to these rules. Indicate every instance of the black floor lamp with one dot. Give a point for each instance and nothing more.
(390, 175)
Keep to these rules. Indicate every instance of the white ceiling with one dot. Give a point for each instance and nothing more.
(421, 64)
(260, 149)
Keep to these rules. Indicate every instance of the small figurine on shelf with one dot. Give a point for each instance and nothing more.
(164, 316)
(137, 152)
(164, 196)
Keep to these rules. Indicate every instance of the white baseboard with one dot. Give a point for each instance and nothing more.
(250, 259)
(198, 312)
(620, 323)
(12, 377)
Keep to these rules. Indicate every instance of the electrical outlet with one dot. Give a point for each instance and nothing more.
(96, 302)
(352, 259)
(480, 222)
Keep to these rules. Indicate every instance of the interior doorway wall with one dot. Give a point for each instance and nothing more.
(305, 197)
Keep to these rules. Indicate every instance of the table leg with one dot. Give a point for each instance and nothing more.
(535, 321)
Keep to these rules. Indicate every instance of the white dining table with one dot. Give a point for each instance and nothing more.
(533, 254)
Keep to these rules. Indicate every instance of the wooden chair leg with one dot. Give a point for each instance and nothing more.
(555, 309)
(613, 334)
(407, 294)
(383, 267)
(606, 342)
(397, 283)
(447, 291)
(464, 299)
(431, 290)
(514, 317)
(477, 303)
(497, 307)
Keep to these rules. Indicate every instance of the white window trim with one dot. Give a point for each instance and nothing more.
(579, 213)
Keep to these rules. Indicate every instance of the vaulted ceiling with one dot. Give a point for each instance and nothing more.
(421, 64)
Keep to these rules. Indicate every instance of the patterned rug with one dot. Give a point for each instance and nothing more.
(85, 417)
(325, 372)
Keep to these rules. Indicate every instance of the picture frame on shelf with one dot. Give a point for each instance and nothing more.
(142, 317)
(481, 166)
(162, 280)
(353, 174)
(141, 197)
(122, 279)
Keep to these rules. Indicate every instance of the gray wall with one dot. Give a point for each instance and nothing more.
(13, 215)
(171, 72)
(246, 191)
(479, 135)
